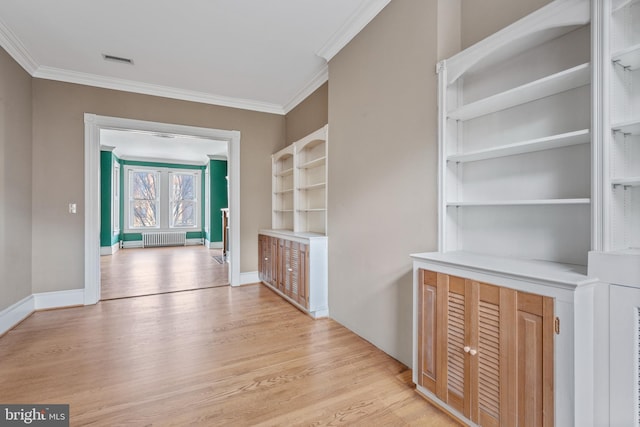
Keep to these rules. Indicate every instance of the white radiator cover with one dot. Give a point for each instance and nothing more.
(164, 238)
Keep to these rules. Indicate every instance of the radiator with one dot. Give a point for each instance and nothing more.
(164, 238)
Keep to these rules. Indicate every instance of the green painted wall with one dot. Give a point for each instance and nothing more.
(107, 235)
(219, 198)
(106, 168)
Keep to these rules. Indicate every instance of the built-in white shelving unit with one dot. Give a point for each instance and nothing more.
(283, 190)
(515, 141)
(515, 180)
(300, 185)
(293, 255)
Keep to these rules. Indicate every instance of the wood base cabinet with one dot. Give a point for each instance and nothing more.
(294, 265)
(486, 351)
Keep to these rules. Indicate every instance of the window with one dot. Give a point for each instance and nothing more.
(183, 199)
(162, 198)
(143, 198)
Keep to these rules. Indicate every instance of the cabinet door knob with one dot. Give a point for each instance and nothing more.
(266, 259)
(467, 349)
(473, 352)
(289, 269)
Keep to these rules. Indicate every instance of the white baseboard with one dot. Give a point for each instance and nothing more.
(16, 313)
(11, 316)
(59, 299)
(194, 242)
(250, 277)
(215, 245)
(109, 250)
(129, 244)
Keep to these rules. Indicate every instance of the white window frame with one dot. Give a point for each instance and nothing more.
(164, 209)
(196, 201)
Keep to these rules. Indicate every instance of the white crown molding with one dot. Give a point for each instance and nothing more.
(14, 47)
(358, 20)
(318, 80)
(67, 76)
(217, 157)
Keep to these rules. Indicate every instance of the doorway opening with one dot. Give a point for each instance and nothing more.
(95, 129)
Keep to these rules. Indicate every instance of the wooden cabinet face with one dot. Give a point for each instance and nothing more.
(284, 264)
(486, 351)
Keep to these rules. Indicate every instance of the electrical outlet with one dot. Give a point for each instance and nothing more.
(72, 208)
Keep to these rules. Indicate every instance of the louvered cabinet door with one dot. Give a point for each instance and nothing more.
(455, 346)
(274, 261)
(282, 265)
(492, 351)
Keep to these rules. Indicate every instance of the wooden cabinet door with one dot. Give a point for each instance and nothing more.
(264, 258)
(456, 343)
(281, 266)
(430, 332)
(486, 351)
(261, 256)
(492, 353)
(535, 333)
(273, 261)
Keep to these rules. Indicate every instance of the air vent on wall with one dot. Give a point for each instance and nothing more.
(117, 59)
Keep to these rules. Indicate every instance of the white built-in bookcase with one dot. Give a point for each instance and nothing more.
(300, 185)
(282, 186)
(624, 142)
(515, 141)
(617, 259)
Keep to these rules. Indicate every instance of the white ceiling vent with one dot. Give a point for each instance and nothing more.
(117, 59)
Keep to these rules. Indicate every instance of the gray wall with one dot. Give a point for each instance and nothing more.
(382, 171)
(382, 157)
(58, 165)
(308, 116)
(15, 182)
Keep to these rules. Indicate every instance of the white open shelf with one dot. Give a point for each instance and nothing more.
(313, 163)
(314, 186)
(541, 202)
(629, 57)
(547, 86)
(627, 182)
(288, 190)
(283, 210)
(619, 4)
(631, 127)
(285, 172)
(312, 210)
(553, 273)
(555, 141)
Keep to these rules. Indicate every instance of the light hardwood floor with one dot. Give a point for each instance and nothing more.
(216, 356)
(135, 272)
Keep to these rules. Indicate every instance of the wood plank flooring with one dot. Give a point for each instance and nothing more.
(135, 272)
(217, 356)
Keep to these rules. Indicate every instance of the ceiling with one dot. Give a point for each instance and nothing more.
(165, 148)
(262, 55)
